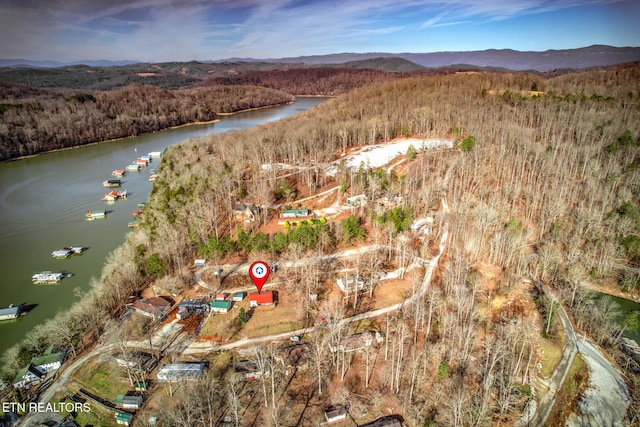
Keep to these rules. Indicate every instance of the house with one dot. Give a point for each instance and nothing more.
(357, 201)
(181, 371)
(28, 376)
(422, 226)
(238, 296)
(353, 342)
(221, 296)
(140, 360)
(123, 418)
(295, 213)
(132, 402)
(335, 414)
(36, 371)
(220, 306)
(266, 298)
(388, 421)
(191, 306)
(154, 307)
(350, 283)
(244, 213)
(250, 369)
(295, 356)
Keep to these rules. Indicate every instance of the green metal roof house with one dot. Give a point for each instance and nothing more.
(123, 418)
(220, 306)
(295, 213)
(38, 368)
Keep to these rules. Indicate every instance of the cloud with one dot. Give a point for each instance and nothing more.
(157, 30)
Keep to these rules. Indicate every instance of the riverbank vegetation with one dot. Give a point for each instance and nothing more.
(551, 173)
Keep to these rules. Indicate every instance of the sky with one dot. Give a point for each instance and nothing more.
(185, 30)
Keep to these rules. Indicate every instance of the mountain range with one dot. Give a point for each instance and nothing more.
(592, 56)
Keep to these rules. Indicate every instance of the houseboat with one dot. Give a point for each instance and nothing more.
(119, 172)
(137, 212)
(141, 162)
(155, 154)
(112, 183)
(132, 224)
(96, 214)
(77, 250)
(63, 253)
(10, 312)
(47, 278)
(133, 167)
(112, 196)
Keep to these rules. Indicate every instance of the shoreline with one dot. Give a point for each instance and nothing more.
(151, 133)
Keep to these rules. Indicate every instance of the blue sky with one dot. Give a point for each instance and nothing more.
(183, 30)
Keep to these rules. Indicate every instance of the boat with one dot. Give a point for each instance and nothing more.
(155, 154)
(77, 250)
(112, 183)
(141, 162)
(145, 158)
(112, 196)
(137, 212)
(11, 312)
(132, 224)
(133, 167)
(142, 205)
(96, 214)
(119, 172)
(47, 278)
(63, 253)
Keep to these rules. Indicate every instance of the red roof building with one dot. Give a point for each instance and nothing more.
(263, 298)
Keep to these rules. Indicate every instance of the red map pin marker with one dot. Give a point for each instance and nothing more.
(259, 272)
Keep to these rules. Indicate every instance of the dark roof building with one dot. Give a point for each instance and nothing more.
(191, 306)
(335, 414)
(388, 421)
(153, 307)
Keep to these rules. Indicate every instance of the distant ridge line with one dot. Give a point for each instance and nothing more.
(552, 59)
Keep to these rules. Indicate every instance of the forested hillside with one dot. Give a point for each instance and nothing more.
(544, 168)
(35, 120)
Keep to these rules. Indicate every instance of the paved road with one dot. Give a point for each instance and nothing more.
(546, 402)
(606, 400)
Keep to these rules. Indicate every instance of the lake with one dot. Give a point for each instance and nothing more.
(43, 201)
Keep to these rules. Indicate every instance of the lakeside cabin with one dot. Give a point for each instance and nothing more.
(36, 371)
